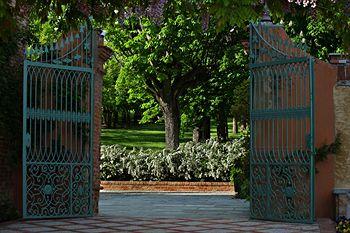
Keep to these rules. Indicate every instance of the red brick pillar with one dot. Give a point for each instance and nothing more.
(102, 54)
(342, 62)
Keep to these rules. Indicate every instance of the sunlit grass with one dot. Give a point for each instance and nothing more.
(150, 136)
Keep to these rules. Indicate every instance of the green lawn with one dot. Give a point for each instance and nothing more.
(150, 136)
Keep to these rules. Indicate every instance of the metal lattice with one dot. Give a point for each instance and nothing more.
(282, 127)
(58, 127)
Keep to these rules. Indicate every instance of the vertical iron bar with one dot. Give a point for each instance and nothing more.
(92, 37)
(76, 122)
(312, 134)
(51, 112)
(251, 121)
(24, 134)
(45, 120)
(40, 119)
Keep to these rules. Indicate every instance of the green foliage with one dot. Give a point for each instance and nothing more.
(239, 173)
(326, 27)
(318, 33)
(209, 161)
(65, 13)
(326, 149)
(234, 12)
(8, 210)
(343, 225)
(160, 53)
(10, 101)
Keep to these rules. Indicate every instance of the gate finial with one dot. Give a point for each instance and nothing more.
(266, 19)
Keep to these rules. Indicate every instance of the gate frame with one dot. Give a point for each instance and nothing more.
(311, 61)
(25, 139)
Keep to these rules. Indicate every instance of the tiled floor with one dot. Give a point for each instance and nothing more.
(163, 213)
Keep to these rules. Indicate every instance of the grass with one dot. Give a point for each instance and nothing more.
(150, 136)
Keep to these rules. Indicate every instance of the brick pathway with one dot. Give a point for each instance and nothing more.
(122, 224)
(164, 213)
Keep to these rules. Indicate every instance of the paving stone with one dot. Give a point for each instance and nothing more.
(52, 223)
(164, 213)
(139, 223)
(191, 223)
(278, 230)
(219, 231)
(250, 223)
(95, 230)
(164, 225)
(62, 231)
(158, 231)
(38, 229)
(131, 228)
(74, 227)
(108, 224)
(8, 231)
(189, 228)
(21, 225)
(310, 228)
(86, 221)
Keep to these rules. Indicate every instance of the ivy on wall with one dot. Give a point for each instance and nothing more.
(323, 151)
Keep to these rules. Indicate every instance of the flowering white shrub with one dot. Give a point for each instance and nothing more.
(306, 3)
(191, 161)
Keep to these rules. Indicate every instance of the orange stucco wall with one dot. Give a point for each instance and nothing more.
(325, 79)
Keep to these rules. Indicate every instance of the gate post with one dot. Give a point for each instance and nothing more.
(342, 125)
(102, 54)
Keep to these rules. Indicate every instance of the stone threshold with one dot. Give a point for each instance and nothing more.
(168, 186)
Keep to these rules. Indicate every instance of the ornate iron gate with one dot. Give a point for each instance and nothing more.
(282, 127)
(58, 127)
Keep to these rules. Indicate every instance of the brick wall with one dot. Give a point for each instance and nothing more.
(10, 175)
(4, 168)
(342, 63)
(102, 54)
(168, 186)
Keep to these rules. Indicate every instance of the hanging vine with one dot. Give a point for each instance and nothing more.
(333, 148)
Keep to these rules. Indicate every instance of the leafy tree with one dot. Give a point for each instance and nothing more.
(333, 15)
(110, 106)
(124, 94)
(215, 97)
(169, 57)
(317, 32)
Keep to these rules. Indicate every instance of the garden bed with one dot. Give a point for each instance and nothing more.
(167, 186)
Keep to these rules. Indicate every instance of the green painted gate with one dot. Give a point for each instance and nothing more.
(58, 127)
(282, 127)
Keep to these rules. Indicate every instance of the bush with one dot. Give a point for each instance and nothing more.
(209, 161)
(240, 172)
(343, 225)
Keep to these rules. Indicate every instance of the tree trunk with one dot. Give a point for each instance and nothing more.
(107, 117)
(196, 134)
(137, 116)
(202, 131)
(115, 119)
(244, 122)
(171, 112)
(206, 128)
(222, 127)
(234, 126)
(123, 119)
(128, 118)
